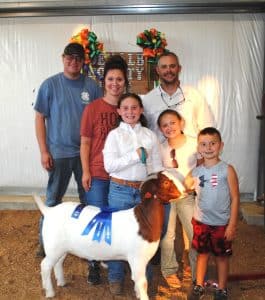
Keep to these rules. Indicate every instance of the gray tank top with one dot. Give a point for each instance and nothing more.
(212, 204)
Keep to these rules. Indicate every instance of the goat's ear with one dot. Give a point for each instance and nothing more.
(149, 186)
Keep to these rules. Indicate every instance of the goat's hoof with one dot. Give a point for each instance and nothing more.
(61, 283)
(50, 294)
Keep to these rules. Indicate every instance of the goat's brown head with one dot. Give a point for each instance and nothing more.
(167, 189)
(150, 213)
(162, 187)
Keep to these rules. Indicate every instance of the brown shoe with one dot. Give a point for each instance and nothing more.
(116, 288)
(173, 281)
(40, 253)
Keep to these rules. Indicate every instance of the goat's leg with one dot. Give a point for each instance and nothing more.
(139, 278)
(46, 269)
(58, 271)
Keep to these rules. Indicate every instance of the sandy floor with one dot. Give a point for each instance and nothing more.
(20, 269)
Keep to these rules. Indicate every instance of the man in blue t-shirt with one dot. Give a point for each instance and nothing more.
(59, 106)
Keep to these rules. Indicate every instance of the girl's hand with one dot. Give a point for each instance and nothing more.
(142, 154)
(139, 152)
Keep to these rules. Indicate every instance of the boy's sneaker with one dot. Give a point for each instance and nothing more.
(197, 293)
(220, 294)
(94, 275)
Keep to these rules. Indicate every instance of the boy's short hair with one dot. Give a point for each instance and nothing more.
(210, 131)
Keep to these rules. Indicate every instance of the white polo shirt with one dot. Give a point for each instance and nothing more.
(187, 101)
(120, 156)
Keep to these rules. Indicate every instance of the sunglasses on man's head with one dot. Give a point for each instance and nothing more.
(173, 157)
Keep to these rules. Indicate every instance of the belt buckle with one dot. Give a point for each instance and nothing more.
(131, 184)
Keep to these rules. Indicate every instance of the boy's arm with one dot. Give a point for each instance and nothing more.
(234, 195)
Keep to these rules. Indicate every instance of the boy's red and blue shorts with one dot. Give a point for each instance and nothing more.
(209, 238)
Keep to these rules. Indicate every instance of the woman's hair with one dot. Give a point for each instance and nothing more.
(142, 119)
(170, 112)
(116, 62)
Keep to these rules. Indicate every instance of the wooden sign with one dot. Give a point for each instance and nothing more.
(137, 71)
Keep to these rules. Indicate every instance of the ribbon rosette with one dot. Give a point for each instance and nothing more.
(153, 43)
(93, 48)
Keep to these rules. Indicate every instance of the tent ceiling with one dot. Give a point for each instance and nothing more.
(126, 7)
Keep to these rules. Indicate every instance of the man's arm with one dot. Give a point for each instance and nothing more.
(40, 128)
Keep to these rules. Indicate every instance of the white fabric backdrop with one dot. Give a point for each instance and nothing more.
(221, 55)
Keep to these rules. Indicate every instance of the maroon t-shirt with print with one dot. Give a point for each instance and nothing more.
(99, 117)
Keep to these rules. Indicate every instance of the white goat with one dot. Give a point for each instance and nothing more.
(135, 234)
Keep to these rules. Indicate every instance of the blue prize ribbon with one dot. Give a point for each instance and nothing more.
(102, 221)
(76, 213)
(90, 225)
(108, 231)
(99, 229)
(143, 155)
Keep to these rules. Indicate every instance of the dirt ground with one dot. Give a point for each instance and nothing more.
(20, 269)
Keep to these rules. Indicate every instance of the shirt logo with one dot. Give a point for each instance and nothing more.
(85, 97)
(213, 180)
(202, 180)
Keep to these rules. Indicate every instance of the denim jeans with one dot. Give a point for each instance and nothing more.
(59, 178)
(182, 208)
(97, 195)
(120, 197)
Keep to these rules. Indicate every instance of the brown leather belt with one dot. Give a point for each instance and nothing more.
(133, 184)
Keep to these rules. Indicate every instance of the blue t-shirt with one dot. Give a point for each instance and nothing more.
(62, 101)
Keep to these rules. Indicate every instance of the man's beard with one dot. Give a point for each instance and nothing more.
(171, 81)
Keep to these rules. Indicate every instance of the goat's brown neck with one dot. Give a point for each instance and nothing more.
(150, 216)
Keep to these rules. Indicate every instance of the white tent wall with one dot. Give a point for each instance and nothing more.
(222, 55)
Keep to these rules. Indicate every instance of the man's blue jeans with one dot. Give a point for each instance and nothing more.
(59, 178)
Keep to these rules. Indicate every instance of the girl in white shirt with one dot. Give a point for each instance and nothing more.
(179, 156)
(131, 152)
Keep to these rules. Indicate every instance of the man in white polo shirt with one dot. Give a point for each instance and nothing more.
(170, 95)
